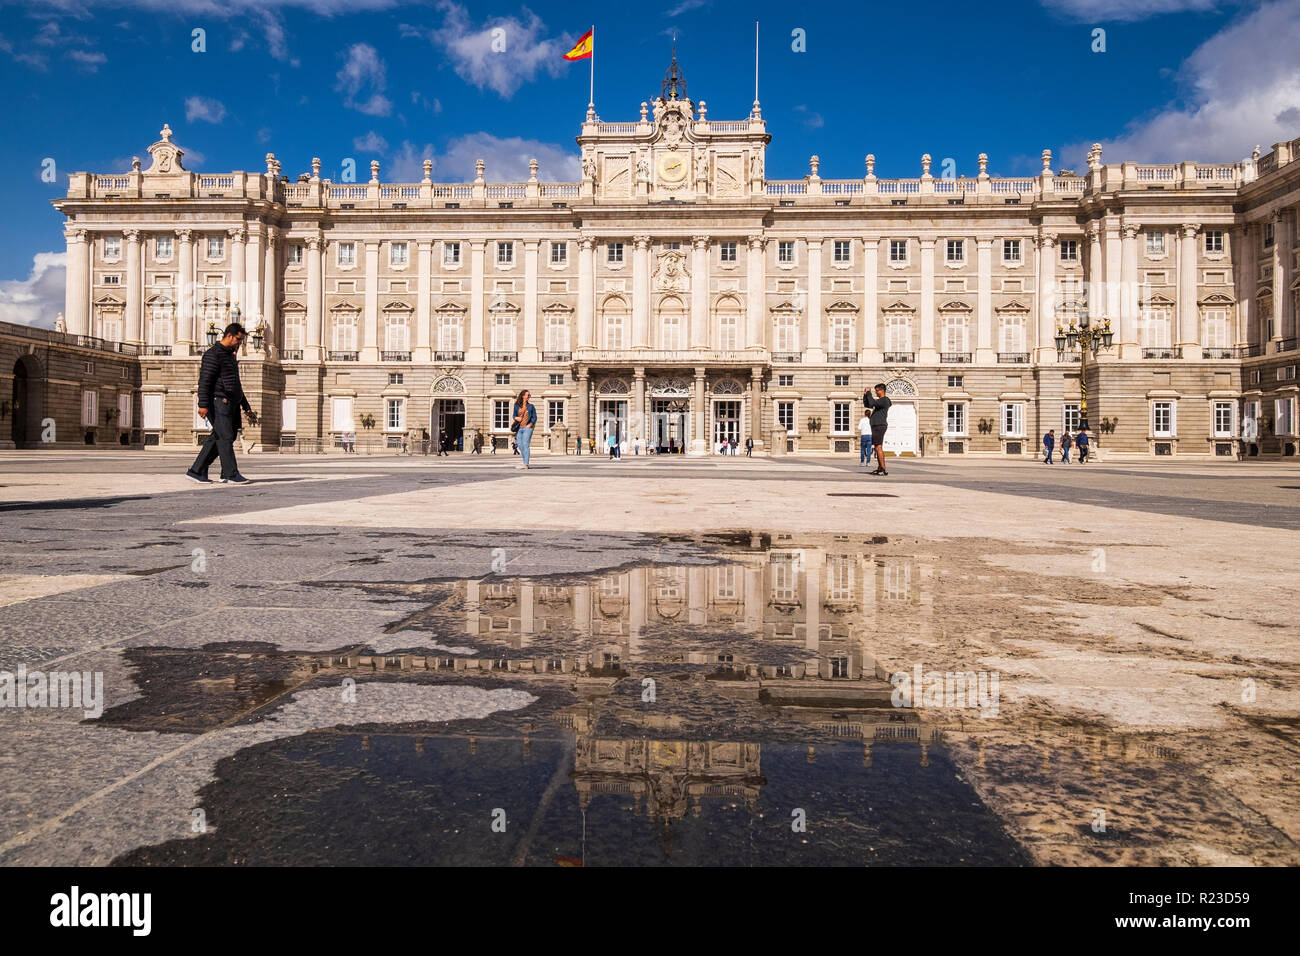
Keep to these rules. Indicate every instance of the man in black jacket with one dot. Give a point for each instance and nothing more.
(878, 405)
(221, 395)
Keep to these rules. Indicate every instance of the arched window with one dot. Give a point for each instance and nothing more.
(672, 324)
(728, 324)
(614, 314)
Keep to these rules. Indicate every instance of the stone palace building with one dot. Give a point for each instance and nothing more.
(678, 296)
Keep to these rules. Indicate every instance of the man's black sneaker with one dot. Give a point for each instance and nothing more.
(237, 480)
(201, 479)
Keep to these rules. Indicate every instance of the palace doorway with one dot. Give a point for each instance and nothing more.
(726, 422)
(449, 416)
(668, 425)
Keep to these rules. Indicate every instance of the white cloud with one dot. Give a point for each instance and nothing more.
(88, 59)
(507, 159)
(204, 108)
(525, 53)
(1126, 11)
(810, 119)
(407, 166)
(1241, 88)
(372, 142)
(685, 6)
(37, 299)
(363, 72)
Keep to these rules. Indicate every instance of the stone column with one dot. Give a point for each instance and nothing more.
(529, 352)
(640, 292)
(870, 340)
(755, 295)
(424, 302)
(271, 286)
(475, 352)
(700, 291)
(813, 317)
(1045, 341)
(134, 325)
(1246, 270)
(315, 300)
(76, 302)
(185, 287)
(583, 422)
(1188, 333)
(985, 351)
(370, 344)
(699, 417)
(586, 293)
(1128, 294)
(1282, 328)
(239, 278)
(251, 304)
(636, 419)
(756, 407)
(1111, 277)
(1095, 297)
(926, 353)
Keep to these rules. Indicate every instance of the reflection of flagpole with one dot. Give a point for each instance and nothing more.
(591, 97)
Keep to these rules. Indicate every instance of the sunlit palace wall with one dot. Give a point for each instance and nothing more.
(680, 296)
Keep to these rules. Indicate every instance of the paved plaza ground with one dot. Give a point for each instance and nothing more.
(378, 659)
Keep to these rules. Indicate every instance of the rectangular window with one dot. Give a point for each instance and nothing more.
(162, 247)
(897, 250)
(1069, 250)
(1155, 243)
(556, 378)
(614, 252)
(1155, 329)
(396, 378)
(554, 412)
(954, 335)
(557, 335)
(956, 381)
(1013, 419)
(503, 378)
(112, 247)
(785, 416)
(112, 279)
(786, 338)
(1223, 419)
(1214, 240)
(505, 253)
(785, 251)
(1010, 250)
(151, 410)
(1268, 234)
(398, 254)
(559, 253)
(501, 415)
(956, 418)
(347, 254)
(216, 247)
(1284, 416)
(289, 415)
(956, 250)
(124, 411)
(841, 412)
(1162, 419)
(785, 381)
(341, 414)
(295, 254)
(841, 380)
(727, 252)
(89, 408)
(843, 251)
(395, 417)
(451, 253)
(1070, 416)
(1216, 333)
(898, 333)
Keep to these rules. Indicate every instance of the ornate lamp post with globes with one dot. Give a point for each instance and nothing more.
(1085, 340)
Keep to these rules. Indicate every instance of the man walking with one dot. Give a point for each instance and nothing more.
(749, 447)
(1081, 443)
(1065, 447)
(220, 398)
(1049, 444)
(864, 434)
(879, 406)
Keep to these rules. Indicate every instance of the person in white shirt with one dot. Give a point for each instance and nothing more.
(864, 439)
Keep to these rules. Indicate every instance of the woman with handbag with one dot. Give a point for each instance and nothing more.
(525, 417)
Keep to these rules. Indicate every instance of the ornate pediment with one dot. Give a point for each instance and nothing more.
(1015, 305)
(504, 306)
(108, 301)
(1223, 299)
(1159, 299)
(674, 120)
(166, 155)
(954, 305)
(787, 307)
(397, 306)
(448, 383)
(558, 308)
(843, 305)
(290, 305)
(899, 306)
(451, 307)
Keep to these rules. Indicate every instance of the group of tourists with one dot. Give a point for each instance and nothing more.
(1078, 441)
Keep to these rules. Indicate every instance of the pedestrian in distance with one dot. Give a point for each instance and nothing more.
(864, 436)
(442, 443)
(613, 446)
(1066, 442)
(1049, 445)
(749, 447)
(221, 396)
(1081, 443)
(524, 419)
(879, 406)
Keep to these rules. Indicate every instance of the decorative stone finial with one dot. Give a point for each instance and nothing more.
(270, 164)
(1094, 156)
(984, 164)
(644, 110)
(479, 166)
(814, 164)
(166, 133)
(315, 168)
(704, 110)
(871, 165)
(1047, 161)
(374, 170)
(428, 170)
(925, 166)
(135, 163)
(532, 170)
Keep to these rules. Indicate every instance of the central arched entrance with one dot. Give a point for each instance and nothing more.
(25, 405)
(901, 437)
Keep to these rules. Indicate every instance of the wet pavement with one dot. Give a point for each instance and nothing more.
(282, 686)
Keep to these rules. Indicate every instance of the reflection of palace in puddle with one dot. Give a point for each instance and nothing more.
(819, 602)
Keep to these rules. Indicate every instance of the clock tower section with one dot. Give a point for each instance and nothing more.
(673, 153)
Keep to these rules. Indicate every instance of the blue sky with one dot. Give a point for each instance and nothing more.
(89, 84)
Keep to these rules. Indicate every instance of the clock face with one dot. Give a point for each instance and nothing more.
(672, 167)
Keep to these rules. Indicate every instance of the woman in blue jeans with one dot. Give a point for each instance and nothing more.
(526, 415)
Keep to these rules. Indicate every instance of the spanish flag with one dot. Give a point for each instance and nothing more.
(583, 48)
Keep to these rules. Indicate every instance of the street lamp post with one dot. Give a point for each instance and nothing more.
(1084, 339)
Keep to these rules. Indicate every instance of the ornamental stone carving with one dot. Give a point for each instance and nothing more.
(671, 274)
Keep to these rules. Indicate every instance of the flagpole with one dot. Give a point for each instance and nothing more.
(591, 96)
(755, 62)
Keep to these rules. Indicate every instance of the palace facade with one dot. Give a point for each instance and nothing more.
(678, 296)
